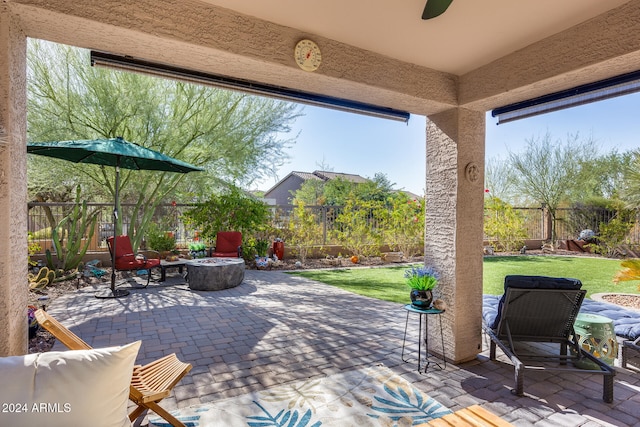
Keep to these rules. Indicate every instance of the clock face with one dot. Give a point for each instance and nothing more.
(307, 55)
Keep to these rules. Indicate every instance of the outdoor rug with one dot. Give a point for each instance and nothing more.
(372, 396)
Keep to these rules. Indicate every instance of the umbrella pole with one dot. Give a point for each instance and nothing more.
(113, 292)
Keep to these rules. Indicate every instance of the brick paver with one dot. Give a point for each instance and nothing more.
(276, 328)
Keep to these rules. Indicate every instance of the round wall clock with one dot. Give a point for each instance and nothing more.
(307, 55)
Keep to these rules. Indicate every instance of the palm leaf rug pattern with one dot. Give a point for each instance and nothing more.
(371, 396)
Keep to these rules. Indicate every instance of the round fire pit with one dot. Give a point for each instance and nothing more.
(215, 274)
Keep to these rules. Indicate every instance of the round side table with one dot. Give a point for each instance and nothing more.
(596, 335)
(423, 335)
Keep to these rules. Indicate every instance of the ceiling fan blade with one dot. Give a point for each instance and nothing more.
(435, 8)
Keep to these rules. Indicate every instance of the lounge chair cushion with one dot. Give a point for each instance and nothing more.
(68, 388)
(528, 282)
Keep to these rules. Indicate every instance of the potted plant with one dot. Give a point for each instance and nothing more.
(421, 280)
(261, 246)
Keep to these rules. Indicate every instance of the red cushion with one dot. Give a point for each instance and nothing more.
(227, 243)
(137, 264)
(126, 259)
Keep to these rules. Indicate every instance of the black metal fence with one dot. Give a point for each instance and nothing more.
(569, 222)
(43, 215)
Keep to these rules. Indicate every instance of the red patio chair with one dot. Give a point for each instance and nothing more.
(127, 260)
(228, 244)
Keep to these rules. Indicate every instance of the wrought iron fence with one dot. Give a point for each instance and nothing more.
(569, 222)
(326, 220)
(42, 217)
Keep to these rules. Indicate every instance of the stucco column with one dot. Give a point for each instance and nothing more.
(454, 221)
(13, 187)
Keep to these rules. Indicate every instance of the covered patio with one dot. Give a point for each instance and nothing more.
(475, 57)
(453, 69)
(276, 328)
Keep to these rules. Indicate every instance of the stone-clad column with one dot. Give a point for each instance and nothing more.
(13, 187)
(454, 222)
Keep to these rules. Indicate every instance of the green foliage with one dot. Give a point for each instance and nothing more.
(262, 246)
(588, 215)
(337, 191)
(72, 235)
(231, 210)
(234, 136)
(404, 231)
(611, 236)
(360, 226)
(421, 278)
(547, 172)
(503, 225)
(159, 239)
(379, 188)
(303, 230)
(602, 177)
(252, 247)
(311, 193)
(32, 249)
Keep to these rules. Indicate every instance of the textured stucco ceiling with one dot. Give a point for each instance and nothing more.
(471, 33)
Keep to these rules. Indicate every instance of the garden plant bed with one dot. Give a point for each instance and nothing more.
(324, 263)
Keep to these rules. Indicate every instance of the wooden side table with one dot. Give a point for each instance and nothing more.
(423, 335)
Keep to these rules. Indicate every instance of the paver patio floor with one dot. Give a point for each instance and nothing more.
(275, 328)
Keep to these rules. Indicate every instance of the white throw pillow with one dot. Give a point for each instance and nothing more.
(67, 388)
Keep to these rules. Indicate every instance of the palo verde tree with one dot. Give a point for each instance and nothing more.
(548, 170)
(234, 137)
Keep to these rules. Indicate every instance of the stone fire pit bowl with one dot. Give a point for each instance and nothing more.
(215, 274)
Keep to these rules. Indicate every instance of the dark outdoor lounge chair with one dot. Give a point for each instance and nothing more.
(538, 309)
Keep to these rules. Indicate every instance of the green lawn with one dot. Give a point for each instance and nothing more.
(388, 283)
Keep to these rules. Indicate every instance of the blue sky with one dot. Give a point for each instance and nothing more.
(353, 143)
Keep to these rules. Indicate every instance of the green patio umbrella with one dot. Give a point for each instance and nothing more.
(118, 153)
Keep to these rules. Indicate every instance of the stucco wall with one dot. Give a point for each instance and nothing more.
(207, 38)
(13, 211)
(455, 183)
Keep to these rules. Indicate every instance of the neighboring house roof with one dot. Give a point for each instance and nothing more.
(304, 175)
(326, 176)
(281, 192)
